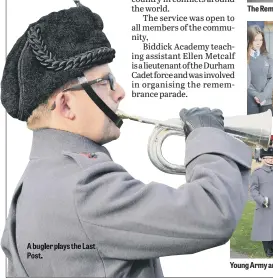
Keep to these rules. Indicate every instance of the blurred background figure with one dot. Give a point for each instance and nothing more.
(261, 189)
(257, 154)
(260, 67)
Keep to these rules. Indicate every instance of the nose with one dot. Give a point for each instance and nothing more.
(119, 93)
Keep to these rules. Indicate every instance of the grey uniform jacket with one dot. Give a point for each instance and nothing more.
(261, 81)
(121, 225)
(248, 76)
(262, 186)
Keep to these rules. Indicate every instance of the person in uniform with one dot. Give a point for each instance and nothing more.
(257, 152)
(261, 189)
(260, 72)
(77, 213)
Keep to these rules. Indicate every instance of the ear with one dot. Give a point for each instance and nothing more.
(63, 102)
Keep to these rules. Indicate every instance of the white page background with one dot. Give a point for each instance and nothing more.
(131, 148)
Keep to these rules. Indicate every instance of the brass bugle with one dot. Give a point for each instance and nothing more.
(253, 130)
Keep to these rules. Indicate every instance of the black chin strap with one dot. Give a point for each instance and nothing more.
(105, 109)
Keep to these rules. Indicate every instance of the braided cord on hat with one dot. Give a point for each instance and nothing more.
(47, 59)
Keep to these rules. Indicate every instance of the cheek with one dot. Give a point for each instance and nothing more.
(105, 96)
(90, 114)
(84, 108)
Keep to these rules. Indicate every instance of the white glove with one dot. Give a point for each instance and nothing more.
(266, 202)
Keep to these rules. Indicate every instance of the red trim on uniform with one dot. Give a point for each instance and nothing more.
(86, 154)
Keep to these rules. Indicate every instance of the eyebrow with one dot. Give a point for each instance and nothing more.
(103, 74)
(79, 86)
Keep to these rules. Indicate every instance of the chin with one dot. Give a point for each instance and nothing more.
(111, 137)
(115, 135)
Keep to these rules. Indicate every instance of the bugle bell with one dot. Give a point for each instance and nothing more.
(254, 130)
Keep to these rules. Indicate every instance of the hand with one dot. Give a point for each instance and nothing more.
(263, 102)
(257, 100)
(201, 117)
(266, 202)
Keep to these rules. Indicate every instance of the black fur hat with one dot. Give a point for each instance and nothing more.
(264, 153)
(52, 51)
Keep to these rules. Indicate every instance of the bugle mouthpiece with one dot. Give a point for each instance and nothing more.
(121, 114)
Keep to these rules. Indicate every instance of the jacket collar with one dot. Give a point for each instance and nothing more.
(255, 53)
(267, 168)
(48, 142)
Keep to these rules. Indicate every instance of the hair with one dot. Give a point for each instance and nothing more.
(252, 32)
(40, 116)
